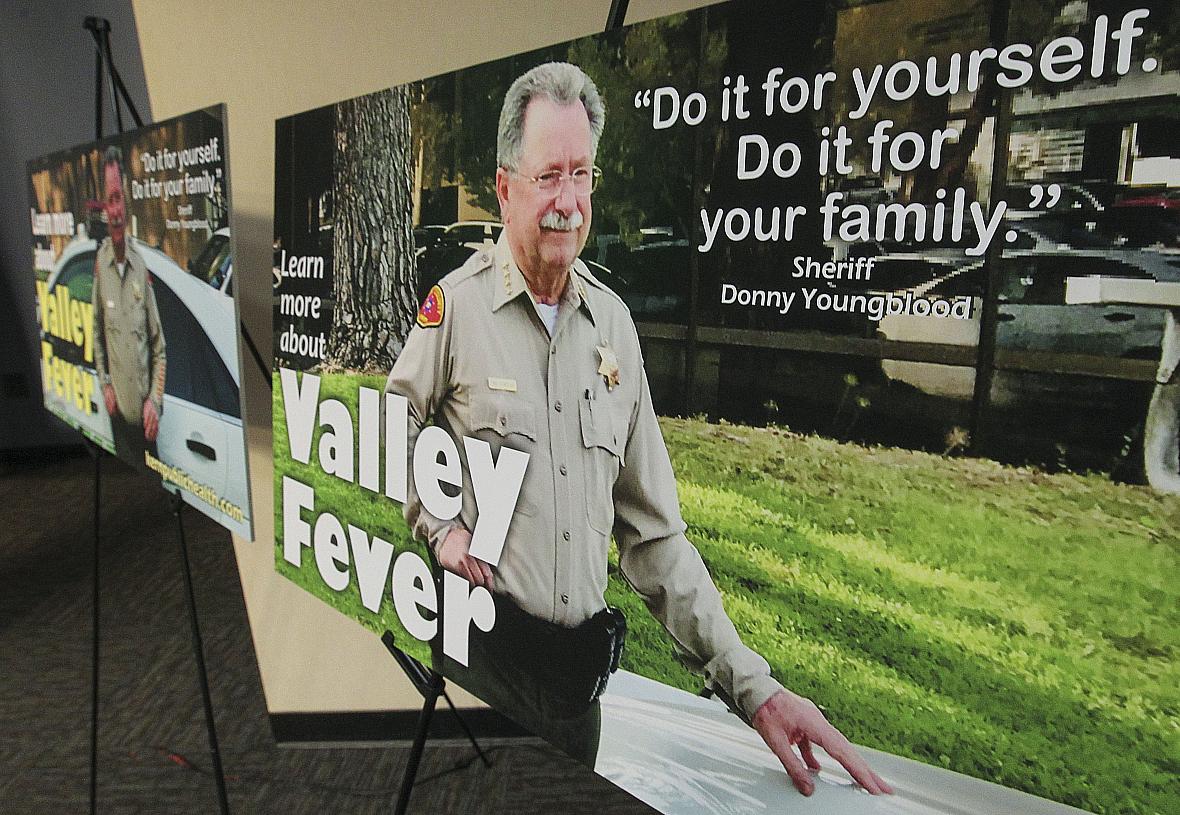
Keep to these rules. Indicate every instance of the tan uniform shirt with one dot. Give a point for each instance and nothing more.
(129, 342)
(597, 460)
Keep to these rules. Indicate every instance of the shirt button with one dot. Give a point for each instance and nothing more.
(562, 469)
(566, 534)
(553, 351)
(565, 598)
(557, 406)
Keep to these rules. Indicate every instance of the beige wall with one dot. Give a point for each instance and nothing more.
(267, 60)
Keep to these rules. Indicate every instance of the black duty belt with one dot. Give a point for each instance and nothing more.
(575, 663)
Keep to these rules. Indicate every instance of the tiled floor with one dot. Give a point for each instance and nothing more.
(153, 756)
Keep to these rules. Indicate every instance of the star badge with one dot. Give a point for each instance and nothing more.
(608, 367)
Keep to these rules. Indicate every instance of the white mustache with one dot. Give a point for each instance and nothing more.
(556, 221)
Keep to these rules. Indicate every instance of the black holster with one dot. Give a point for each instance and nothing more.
(575, 663)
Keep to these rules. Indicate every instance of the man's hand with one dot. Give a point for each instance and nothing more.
(108, 398)
(151, 420)
(453, 556)
(786, 719)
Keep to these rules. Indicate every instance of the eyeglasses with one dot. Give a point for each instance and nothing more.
(584, 179)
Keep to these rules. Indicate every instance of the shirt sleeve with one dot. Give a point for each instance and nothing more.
(100, 342)
(422, 374)
(158, 353)
(660, 563)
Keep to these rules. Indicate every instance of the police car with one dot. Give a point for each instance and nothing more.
(201, 429)
(686, 755)
(1033, 316)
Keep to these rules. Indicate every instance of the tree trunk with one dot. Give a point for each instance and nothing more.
(374, 279)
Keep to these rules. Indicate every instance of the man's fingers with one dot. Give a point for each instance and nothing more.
(486, 570)
(781, 746)
(882, 783)
(800, 777)
(808, 756)
(857, 767)
(151, 420)
(469, 571)
(475, 569)
(458, 567)
(481, 578)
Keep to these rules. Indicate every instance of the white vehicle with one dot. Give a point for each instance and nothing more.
(476, 234)
(1040, 234)
(1033, 315)
(201, 430)
(685, 755)
(215, 264)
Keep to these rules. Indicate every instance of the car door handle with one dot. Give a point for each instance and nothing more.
(1118, 317)
(201, 449)
(1005, 318)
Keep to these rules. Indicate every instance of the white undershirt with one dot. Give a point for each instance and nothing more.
(122, 264)
(548, 314)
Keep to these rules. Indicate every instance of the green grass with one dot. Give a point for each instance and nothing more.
(372, 512)
(1012, 625)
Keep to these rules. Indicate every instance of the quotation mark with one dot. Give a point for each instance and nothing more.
(643, 99)
(1037, 193)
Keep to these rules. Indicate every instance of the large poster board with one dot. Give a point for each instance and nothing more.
(133, 259)
(822, 261)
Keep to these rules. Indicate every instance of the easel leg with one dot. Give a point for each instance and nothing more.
(104, 68)
(199, 655)
(431, 685)
(487, 762)
(94, 631)
(403, 796)
(98, 93)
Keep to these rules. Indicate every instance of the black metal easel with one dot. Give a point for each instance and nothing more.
(96, 453)
(431, 685)
(100, 30)
(199, 655)
(104, 68)
(105, 71)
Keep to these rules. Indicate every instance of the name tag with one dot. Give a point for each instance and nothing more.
(497, 384)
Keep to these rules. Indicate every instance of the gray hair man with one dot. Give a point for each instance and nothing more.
(129, 351)
(524, 349)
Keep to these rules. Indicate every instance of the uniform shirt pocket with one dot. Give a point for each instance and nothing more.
(504, 417)
(603, 456)
(112, 320)
(507, 422)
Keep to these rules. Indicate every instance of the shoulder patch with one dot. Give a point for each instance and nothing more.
(430, 313)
